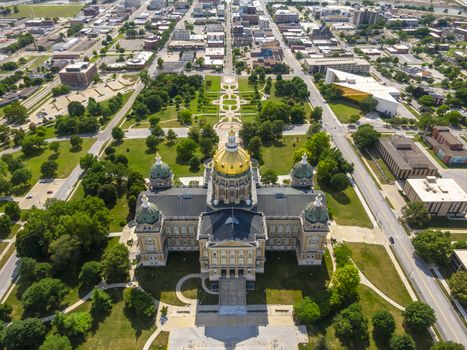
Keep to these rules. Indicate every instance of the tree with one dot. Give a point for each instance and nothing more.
(449, 345)
(419, 316)
(117, 134)
(306, 310)
(366, 136)
(368, 104)
(73, 324)
(31, 271)
(32, 145)
(116, 264)
(205, 145)
(254, 147)
(194, 163)
(269, 177)
(351, 325)
(24, 334)
(384, 324)
(416, 214)
(185, 149)
(21, 176)
(5, 312)
(184, 116)
(90, 273)
(427, 101)
(402, 342)
(56, 342)
(64, 252)
(458, 286)
(44, 295)
(140, 303)
(49, 169)
(160, 62)
(339, 182)
(54, 146)
(101, 302)
(433, 246)
(316, 145)
(108, 193)
(317, 113)
(76, 143)
(345, 281)
(15, 113)
(152, 142)
(75, 109)
(60, 90)
(171, 137)
(342, 254)
(5, 225)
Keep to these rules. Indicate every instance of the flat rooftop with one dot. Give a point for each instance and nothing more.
(432, 189)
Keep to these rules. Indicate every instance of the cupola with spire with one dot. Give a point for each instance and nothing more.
(302, 173)
(147, 213)
(316, 211)
(160, 175)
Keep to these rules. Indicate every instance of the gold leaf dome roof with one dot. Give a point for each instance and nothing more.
(231, 159)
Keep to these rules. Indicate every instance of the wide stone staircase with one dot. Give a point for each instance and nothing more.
(232, 296)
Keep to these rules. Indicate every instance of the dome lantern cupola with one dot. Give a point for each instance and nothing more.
(302, 173)
(316, 211)
(231, 160)
(147, 213)
(160, 175)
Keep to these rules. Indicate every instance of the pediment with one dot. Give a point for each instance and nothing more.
(231, 244)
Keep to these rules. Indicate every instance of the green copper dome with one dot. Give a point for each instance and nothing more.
(303, 169)
(147, 213)
(160, 170)
(316, 211)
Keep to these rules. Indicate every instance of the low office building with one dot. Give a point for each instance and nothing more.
(404, 158)
(140, 61)
(447, 146)
(356, 88)
(286, 16)
(344, 64)
(441, 197)
(78, 74)
(459, 259)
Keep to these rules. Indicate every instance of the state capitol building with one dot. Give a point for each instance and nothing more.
(231, 219)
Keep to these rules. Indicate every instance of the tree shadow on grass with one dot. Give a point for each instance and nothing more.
(423, 339)
(382, 342)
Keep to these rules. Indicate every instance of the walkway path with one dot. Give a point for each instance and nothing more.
(366, 282)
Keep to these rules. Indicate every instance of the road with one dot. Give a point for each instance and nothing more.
(228, 69)
(7, 274)
(448, 323)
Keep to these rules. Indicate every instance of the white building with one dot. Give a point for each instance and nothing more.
(356, 87)
(442, 197)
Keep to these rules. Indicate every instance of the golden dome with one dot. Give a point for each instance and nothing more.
(231, 160)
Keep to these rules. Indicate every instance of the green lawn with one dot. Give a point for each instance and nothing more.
(141, 160)
(119, 214)
(279, 156)
(284, 282)
(3, 245)
(38, 60)
(385, 176)
(412, 110)
(67, 160)
(244, 85)
(36, 11)
(213, 83)
(375, 264)
(438, 223)
(344, 110)
(346, 209)
(161, 281)
(119, 330)
(459, 236)
(161, 342)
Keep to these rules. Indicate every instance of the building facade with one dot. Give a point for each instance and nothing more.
(78, 74)
(233, 220)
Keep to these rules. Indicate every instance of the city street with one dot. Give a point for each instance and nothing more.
(448, 322)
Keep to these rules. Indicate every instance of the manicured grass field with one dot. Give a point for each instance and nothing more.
(344, 110)
(346, 209)
(67, 160)
(213, 83)
(161, 342)
(161, 281)
(438, 223)
(140, 160)
(244, 85)
(375, 264)
(383, 173)
(119, 330)
(7, 255)
(279, 157)
(35, 11)
(284, 282)
(118, 214)
(3, 245)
